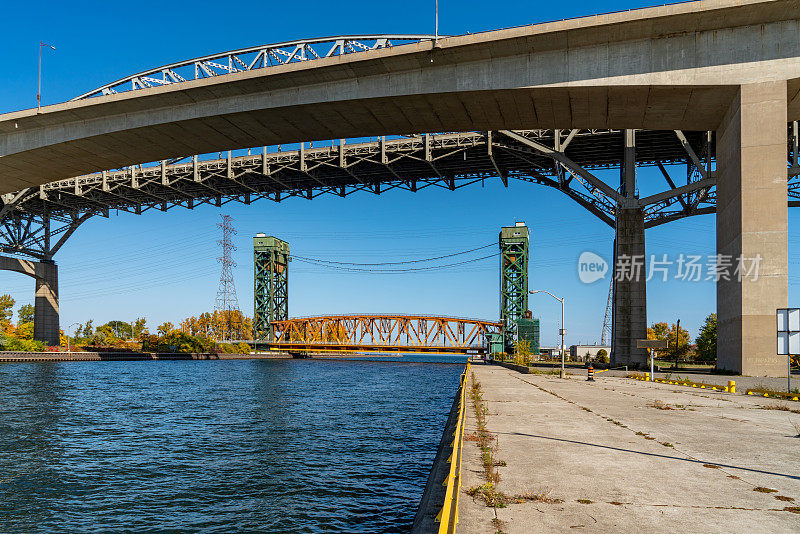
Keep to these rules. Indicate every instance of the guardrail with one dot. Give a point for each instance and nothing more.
(448, 516)
(730, 388)
(773, 394)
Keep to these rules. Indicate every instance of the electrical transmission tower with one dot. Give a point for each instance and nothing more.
(605, 337)
(226, 302)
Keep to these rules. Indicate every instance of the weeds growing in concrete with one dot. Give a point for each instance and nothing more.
(784, 498)
(762, 489)
(781, 407)
(659, 405)
(489, 445)
(796, 428)
(584, 501)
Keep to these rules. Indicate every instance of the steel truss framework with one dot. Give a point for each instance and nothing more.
(384, 333)
(566, 160)
(513, 281)
(271, 291)
(255, 57)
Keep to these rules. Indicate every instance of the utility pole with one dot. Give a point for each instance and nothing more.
(226, 302)
(39, 91)
(677, 341)
(436, 23)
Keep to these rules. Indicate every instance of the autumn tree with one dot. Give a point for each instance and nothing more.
(165, 329)
(6, 311)
(677, 343)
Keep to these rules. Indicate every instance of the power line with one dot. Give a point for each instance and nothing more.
(413, 269)
(423, 260)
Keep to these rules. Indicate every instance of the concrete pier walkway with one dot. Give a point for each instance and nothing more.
(619, 455)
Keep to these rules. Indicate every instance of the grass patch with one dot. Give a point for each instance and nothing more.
(781, 407)
(658, 405)
(784, 498)
(734, 477)
(762, 489)
(793, 509)
(498, 524)
(712, 466)
(667, 444)
(584, 501)
(615, 503)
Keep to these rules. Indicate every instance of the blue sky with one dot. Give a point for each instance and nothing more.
(163, 266)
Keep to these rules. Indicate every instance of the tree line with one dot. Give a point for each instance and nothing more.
(208, 332)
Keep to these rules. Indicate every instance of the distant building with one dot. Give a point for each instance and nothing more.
(581, 353)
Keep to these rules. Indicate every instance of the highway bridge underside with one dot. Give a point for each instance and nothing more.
(750, 200)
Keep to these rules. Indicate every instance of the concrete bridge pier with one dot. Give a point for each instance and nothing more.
(630, 289)
(45, 319)
(752, 224)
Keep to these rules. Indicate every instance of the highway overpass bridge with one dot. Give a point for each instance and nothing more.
(650, 84)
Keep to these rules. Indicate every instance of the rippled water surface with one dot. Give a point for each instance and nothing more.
(218, 446)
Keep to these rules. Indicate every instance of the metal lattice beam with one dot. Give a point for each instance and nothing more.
(254, 57)
(385, 333)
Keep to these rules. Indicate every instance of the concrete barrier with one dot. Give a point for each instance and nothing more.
(8, 356)
(435, 495)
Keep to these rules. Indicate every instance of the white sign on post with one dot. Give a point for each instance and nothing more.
(788, 322)
(788, 331)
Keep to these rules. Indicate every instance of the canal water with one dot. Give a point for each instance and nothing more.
(218, 446)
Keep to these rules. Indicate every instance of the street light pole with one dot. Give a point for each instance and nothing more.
(562, 330)
(39, 90)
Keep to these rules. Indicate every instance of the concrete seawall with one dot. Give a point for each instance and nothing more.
(127, 356)
(433, 497)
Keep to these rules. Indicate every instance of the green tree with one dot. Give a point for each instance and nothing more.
(119, 329)
(6, 311)
(88, 329)
(25, 314)
(602, 356)
(522, 352)
(707, 340)
(139, 328)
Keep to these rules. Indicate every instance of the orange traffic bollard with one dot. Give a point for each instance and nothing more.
(591, 374)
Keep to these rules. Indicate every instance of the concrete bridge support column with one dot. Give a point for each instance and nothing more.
(630, 288)
(752, 223)
(45, 318)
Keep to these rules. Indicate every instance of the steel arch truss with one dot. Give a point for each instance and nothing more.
(256, 57)
(384, 333)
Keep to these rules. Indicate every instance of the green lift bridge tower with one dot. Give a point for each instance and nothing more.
(514, 253)
(271, 258)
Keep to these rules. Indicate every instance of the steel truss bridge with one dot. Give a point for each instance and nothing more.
(36, 222)
(384, 333)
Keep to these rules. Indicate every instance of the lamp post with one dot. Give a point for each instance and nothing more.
(562, 331)
(39, 92)
(69, 329)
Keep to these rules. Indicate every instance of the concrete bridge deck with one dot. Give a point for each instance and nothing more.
(578, 441)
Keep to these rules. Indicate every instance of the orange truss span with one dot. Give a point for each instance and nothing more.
(384, 333)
